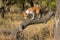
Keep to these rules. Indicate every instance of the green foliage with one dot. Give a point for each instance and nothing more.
(44, 3)
(19, 3)
(52, 3)
(9, 1)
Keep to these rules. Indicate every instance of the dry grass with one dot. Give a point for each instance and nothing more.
(42, 31)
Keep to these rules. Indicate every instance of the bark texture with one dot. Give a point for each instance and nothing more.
(57, 21)
(41, 20)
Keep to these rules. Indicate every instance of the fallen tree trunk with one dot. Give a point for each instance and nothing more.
(42, 20)
(8, 31)
(29, 22)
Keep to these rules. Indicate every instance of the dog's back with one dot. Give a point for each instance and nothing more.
(35, 9)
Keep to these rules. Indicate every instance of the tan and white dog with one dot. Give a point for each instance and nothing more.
(32, 10)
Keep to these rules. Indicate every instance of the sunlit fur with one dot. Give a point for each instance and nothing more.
(35, 9)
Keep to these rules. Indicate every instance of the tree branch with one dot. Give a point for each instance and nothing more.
(42, 20)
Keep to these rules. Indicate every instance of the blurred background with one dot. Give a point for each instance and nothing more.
(11, 17)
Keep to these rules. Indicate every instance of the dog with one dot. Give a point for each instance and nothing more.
(35, 10)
